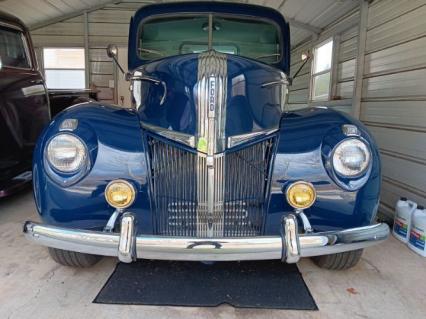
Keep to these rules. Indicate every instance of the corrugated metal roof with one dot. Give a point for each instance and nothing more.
(305, 16)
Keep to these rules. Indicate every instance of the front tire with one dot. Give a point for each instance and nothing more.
(72, 258)
(339, 261)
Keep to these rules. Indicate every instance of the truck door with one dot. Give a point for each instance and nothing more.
(24, 109)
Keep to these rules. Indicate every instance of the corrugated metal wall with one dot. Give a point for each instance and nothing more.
(393, 103)
(345, 34)
(394, 96)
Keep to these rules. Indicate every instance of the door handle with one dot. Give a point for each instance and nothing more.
(36, 81)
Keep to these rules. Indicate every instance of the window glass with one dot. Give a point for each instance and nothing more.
(254, 39)
(13, 52)
(65, 79)
(323, 56)
(321, 86)
(64, 68)
(64, 58)
(162, 37)
(321, 71)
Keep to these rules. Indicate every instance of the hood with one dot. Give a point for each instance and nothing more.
(210, 101)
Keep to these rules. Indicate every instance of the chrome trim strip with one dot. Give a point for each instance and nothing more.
(350, 130)
(68, 125)
(207, 249)
(272, 83)
(173, 135)
(138, 76)
(211, 108)
(240, 139)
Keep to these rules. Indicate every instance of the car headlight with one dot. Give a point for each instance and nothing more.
(66, 153)
(351, 157)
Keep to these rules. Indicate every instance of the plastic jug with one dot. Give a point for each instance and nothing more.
(418, 231)
(403, 212)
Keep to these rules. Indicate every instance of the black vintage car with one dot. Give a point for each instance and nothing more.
(24, 103)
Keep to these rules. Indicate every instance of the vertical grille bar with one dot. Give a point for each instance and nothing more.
(180, 185)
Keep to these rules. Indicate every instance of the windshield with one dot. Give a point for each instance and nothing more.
(168, 36)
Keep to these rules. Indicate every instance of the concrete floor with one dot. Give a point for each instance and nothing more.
(389, 282)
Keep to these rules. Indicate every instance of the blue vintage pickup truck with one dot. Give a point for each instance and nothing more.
(208, 164)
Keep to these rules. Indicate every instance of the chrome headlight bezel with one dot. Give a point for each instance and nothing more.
(83, 157)
(357, 142)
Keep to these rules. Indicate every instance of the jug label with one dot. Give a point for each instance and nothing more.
(417, 239)
(400, 227)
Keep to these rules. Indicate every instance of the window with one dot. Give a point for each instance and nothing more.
(64, 68)
(13, 49)
(321, 71)
(253, 38)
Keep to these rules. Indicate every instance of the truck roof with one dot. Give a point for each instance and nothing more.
(6, 17)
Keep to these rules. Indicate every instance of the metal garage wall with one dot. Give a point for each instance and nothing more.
(345, 34)
(104, 26)
(394, 96)
(393, 104)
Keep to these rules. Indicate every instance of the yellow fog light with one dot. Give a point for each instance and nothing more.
(120, 194)
(301, 195)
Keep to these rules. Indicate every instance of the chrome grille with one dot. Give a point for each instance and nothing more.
(179, 188)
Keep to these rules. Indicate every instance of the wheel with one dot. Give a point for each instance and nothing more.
(72, 258)
(339, 261)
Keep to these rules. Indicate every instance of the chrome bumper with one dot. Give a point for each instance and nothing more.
(128, 247)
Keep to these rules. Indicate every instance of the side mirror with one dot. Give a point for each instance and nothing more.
(305, 57)
(112, 52)
(1, 64)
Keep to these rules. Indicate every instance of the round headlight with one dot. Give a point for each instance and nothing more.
(120, 194)
(66, 153)
(301, 195)
(351, 157)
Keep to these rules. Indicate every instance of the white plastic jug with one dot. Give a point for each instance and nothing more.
(418, 231)
(403, 212)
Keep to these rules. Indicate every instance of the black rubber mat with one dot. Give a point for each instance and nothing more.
(260, 284)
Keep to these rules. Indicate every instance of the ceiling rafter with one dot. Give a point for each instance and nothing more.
(71, 15)
(298, 24)
(304, 26)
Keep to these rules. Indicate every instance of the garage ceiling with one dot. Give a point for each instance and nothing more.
(306, 17)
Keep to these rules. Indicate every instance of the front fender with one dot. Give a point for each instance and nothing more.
(304, 139)
(114, 139)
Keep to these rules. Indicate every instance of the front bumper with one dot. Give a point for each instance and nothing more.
(128, 246)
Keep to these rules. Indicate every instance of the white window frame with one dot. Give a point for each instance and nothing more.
(329, 70)
(65, 69)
